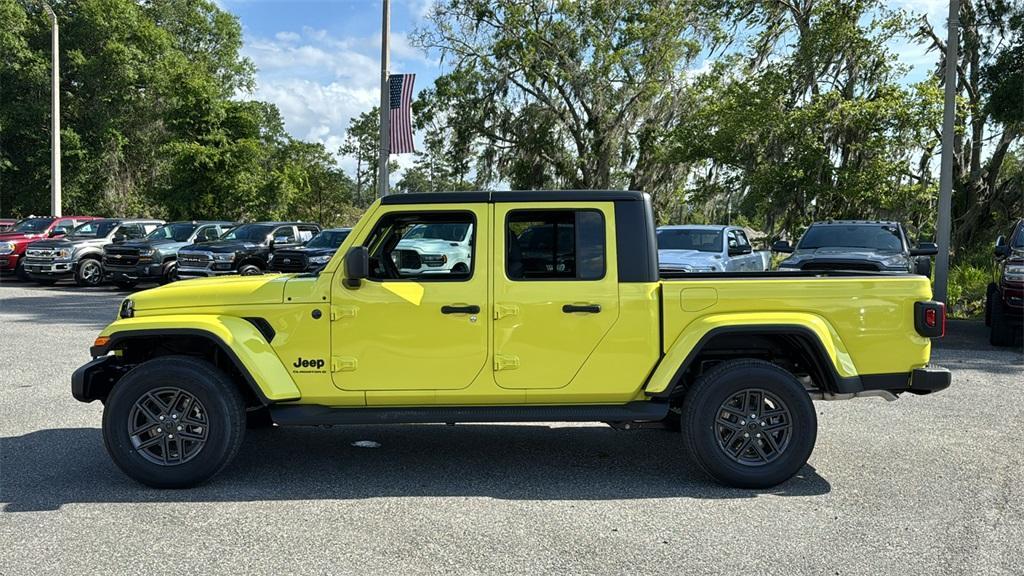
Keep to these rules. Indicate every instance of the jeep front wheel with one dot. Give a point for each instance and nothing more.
(173, 422)
(749, 424)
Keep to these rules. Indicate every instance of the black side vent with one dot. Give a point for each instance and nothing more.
(264, 327)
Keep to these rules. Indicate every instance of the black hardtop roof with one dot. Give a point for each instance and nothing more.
(201, 222)
(282, 223)
(856, 222)
(514, 196)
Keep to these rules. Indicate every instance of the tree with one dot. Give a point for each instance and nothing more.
(990, 88)
(560, 94)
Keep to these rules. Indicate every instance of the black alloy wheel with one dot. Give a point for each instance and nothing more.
(168, 426)
(754, 427)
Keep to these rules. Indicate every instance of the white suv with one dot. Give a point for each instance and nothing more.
(442, 248)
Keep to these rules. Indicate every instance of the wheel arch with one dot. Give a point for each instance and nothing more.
(238, 346)
(808, 345)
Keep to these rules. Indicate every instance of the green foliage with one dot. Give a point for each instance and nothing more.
(968, 285)
(149, 120)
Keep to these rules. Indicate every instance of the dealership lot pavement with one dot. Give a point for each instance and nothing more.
(923, 485)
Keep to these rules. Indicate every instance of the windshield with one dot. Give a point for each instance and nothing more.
(871, 236)
(94, 229)
(328, 239)
(177, 232)
(31, 225)
(1018, 240)
(249, 233)
(453, 232)
(690, 239)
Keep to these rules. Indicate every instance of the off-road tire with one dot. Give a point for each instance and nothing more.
(89, 272)
(249, 270)
(1000, 331)
(704, 403)
(224, 413)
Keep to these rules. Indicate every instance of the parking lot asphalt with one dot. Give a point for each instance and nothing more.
(924, 485)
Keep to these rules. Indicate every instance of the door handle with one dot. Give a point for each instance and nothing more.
(591, 308)
(460, 309)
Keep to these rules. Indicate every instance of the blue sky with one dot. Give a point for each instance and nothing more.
(319, 61)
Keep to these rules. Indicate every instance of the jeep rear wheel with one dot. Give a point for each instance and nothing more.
(89, 273)
(173, 422)
(749, 424)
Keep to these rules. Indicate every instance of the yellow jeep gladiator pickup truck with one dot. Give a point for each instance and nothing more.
(560, 315)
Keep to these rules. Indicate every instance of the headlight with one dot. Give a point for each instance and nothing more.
(1015, 273)
(224, 257)
(6, 247)
(319, 259)
(146, 251)
(127, 308)
(64, 253)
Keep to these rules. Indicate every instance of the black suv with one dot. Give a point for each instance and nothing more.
(313, 256)
(857, 245)
(154, 258)
(244, 250)
(1004, 306)
(80, 253)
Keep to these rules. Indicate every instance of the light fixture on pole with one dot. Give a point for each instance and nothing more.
(385, 101)
(55, 200)
(944, 222)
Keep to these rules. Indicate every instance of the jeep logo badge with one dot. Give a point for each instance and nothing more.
(309, 363)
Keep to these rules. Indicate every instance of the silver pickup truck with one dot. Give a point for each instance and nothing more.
(711, 248)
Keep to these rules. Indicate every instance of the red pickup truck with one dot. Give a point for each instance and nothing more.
(14, 240)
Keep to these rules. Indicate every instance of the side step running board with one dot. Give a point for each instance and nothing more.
(314, 415)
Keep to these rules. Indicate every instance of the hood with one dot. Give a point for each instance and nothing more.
(214, 291)
(306, 251)
(428, 245)
(64, 243)
(861, 254)
(163, 244)
(18, 236)
(688, 258)
(221, 246)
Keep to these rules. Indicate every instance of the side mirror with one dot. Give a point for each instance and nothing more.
(57, 233)
(1001, 251)
(739, 250)
(357, 266)
(782, 246)
(924, 249)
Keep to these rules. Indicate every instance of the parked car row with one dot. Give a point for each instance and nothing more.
(833, 245)
(127, 251)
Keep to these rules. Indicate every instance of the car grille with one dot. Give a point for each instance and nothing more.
(290, 262)
(407, 259)
(40, 254)
(118, 256)
(434, 260)
(194, 259)
(864, 266)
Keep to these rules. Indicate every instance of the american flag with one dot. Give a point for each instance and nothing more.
(400, 116)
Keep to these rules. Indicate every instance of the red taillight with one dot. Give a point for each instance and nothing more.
(929, 318)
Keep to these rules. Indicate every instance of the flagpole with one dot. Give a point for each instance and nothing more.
(385, 100)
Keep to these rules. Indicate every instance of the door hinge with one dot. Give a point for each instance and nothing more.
(343, 364)
(502, 310)
(339, 312)
(505, 362)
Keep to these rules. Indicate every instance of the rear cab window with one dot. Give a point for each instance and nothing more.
(559, 244)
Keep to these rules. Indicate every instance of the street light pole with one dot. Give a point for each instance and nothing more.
(385, 101)
(55, 199)
(944, 223)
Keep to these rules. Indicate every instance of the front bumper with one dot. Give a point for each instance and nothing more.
(8, 262)
(93, 381)
(55, 269)
(138, 273)
(200, 272)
